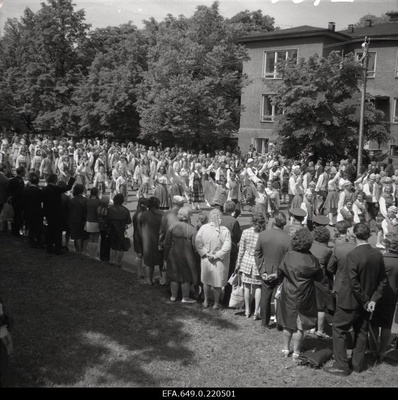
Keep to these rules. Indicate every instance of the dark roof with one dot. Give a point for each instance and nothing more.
(388, 29)
(296, 32)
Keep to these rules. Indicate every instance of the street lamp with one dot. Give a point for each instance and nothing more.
(365, 60)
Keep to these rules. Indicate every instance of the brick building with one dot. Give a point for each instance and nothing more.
(266, 49)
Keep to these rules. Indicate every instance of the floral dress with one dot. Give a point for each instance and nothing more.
(246, 262)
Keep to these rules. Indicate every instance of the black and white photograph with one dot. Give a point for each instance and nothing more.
(199, 198)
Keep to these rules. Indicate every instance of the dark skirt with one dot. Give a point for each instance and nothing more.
(196, 195)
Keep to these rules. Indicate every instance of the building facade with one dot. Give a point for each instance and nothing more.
(266, 49)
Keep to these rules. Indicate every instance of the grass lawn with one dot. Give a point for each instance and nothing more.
(83, 323)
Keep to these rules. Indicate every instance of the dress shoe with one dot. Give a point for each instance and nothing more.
(337, 371)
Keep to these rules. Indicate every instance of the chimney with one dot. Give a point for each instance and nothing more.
(393, 16)
(368, 23)
(331, 26)
(351, 28)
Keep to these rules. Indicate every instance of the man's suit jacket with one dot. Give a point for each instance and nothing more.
(337, 264)
(272, 245)
(32, 199)
(364, 279)
(52, 200)
(4, 181)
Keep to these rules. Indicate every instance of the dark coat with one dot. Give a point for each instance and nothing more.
(299, 272)
(52, 200)
(363, 280)
(337, 264)
(32, 198)
(234, 227)
(150, 225)
(4, 192)
(272, 246)
(137, 235)
(77, 217)
(183, 262)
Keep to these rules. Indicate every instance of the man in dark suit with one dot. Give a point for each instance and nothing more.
(32, 198)
(16, 187)
(272, 245)
(4, 181)
(53, 212)
(234, 228)
(362, 284)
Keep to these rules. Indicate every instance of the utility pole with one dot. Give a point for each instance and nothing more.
(364, 60)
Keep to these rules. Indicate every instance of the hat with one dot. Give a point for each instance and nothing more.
(387, 180)
(393, 209)
(320, 220)
(347, 183)
(372, 176)
(308, 191)
(178, 200)
(250, 160)
(298, 212)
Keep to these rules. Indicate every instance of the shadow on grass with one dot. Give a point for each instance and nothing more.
(83, 323)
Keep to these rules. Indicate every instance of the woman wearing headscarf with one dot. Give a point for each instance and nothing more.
(181, 256)
(119, 219)
(137, 235)
(213, 243)
(297, 308)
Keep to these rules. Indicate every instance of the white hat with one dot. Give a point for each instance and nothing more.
(250, 160)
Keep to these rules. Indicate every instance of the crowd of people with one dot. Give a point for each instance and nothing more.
(53, 191)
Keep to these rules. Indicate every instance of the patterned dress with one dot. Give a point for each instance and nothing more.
(196, 194)
(246, 261)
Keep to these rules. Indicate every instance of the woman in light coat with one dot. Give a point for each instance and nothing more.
(213, 243)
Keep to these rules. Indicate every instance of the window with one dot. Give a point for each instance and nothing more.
(267, 109)
(273, 58)
(396, 66)
(395, 111)
(371, 62)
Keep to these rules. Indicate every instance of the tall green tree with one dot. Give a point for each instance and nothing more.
(319, 108)
(190, 93)
(106, 99)
(44, 64)
(383, 18)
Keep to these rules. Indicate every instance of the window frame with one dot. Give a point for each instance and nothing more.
(370, 74)
(264, 117)
(394, 113)
(275, 74)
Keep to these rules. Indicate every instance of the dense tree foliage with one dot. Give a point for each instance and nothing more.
(375, 20)
(177, 80)
(319, 104)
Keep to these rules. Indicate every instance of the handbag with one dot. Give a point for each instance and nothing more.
(237, 298)
(128, 233)
(315, 358)
(234, 279)
(126, 244)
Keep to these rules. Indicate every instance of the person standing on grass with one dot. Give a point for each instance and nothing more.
(77, 219)
(16, 187)
(321, 250)
(119, 219)
(271, 247)
(383, 316)
(92, 227)
(32, 198)
(181, 256)
(137, 236)
(150, 226)
(213, 243)
(246, 264)
(362, 285)
(103, 226)
(297, 310)
(53, 212)
(229, 221)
